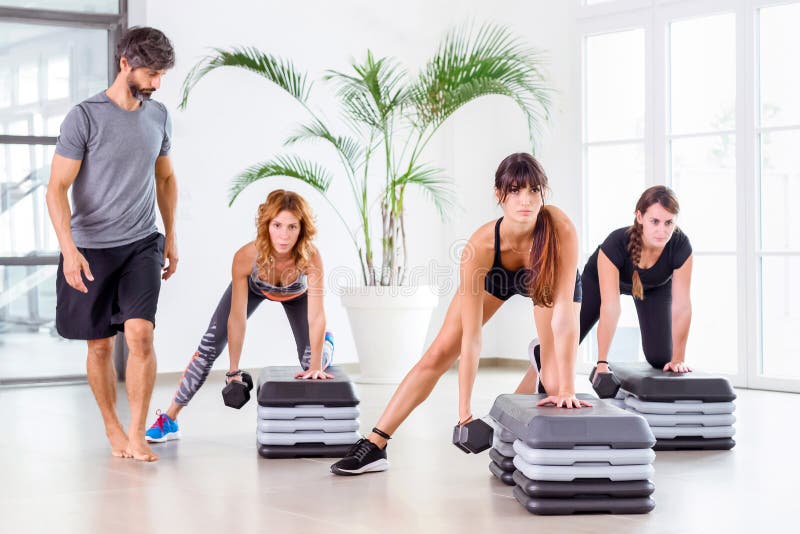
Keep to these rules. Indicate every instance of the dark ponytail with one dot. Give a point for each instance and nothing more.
(544, 259)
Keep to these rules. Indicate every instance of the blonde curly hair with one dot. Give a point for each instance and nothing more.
(278, 201)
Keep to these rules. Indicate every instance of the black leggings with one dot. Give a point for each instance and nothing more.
(655, 318)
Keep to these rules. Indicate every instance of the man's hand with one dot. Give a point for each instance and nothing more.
(74, 265)
(170, 256)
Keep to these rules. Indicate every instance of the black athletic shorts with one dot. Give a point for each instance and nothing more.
(127, 281)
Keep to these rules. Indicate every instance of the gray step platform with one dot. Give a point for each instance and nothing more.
(694, 444)
(500, 432)
(706, 432)
(303, 450)
(583, 505)
(503, 447)
(678, 407)
(580, 455)
(548, 427)
(506, 463)
(293, 438)
(582, 488)
(568, 473)
(504, 476)
(723, 419)
(654, 385)
(299, 412)
(277, 386)
(309, 423)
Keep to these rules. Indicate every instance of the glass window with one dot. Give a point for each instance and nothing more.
(615, 178)
(27, 83)
(703, 74)
(24, 224)
(780, 316)
(5, 86)
(713, 343)
(58, 77)
(42, 72)
(704, 179)
(779, 78)
(87, 6)
(615, 86)
(780, 189)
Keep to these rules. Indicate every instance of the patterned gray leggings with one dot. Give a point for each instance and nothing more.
(216, 339)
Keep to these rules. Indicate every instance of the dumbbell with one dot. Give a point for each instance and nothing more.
(606, 385)
(473, 437)
(236, 393)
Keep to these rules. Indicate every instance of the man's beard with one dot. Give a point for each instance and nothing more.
(139, 93)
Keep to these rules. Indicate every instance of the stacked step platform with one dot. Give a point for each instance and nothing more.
(588, 460)
(689, 411)
(305, 418)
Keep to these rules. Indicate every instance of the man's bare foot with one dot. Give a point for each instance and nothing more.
(139, 450)
(119, 442)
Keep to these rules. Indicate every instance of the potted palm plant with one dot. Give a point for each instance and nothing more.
(390, 117)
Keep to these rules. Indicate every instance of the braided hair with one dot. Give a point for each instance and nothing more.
(657, 194)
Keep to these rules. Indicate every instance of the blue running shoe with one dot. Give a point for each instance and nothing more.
(164, 429)
(327, 350)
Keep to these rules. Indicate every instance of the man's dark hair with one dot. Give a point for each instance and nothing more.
(145, 47)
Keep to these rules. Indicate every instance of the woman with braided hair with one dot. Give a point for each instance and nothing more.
(651, 260)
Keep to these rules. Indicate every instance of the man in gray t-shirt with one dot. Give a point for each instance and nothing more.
(113, 151)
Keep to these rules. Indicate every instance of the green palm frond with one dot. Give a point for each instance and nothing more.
(280, 72)
(349, 148)
(436, 186)
(468, 66)
(374, 93)
(290, 166)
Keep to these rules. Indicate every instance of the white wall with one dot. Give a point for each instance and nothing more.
(235, 119)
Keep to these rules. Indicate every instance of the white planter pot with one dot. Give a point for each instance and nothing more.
(389, 325)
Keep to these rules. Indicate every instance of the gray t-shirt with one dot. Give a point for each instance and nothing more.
(113, 196)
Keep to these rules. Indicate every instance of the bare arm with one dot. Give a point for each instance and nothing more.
(316, 318)
(564, 322)
(237, 318)
(167, 198)
(63, 172)
(471, 281)
(681, 315)
(608, 276)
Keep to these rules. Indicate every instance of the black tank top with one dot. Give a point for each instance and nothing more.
(502, 283)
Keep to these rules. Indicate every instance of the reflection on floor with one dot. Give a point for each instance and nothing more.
(58, 476)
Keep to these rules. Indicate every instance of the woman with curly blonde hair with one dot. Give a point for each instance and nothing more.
(282, 265)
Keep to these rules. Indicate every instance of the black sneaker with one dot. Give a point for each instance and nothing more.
(363, 457)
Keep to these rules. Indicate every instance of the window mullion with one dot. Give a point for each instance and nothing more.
(748, 197)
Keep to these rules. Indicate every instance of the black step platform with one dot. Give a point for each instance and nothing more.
(580, 488)
(303, 450)
(277, 386)
(540, 506)
(504, 476)
(694, 444)
(654, 385)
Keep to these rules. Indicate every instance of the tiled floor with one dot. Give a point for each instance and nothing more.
(56, 474)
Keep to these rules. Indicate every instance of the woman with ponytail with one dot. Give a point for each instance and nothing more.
(282, 265)
(651, 260)
(532, 250)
